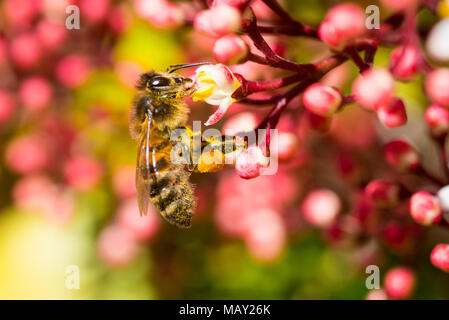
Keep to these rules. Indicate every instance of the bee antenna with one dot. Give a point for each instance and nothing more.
(176, 67)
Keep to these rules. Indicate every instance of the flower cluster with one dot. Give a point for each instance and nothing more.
(344, 31)
(361, 118)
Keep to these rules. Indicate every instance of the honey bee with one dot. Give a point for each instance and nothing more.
(158, 109)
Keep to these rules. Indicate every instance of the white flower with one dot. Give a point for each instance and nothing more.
(215, 84)
(437, 44)
(443, 196)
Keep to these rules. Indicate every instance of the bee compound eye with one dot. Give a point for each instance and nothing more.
(180, 80)
(158, 82)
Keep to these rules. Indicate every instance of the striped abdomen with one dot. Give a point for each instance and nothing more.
(170, 189)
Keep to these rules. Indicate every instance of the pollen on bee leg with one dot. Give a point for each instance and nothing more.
(211, 161)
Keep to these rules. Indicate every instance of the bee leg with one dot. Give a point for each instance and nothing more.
(227, 144)
(179, 94)
(191, 166)
(172, 95)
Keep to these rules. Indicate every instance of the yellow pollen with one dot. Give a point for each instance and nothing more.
(206, 78)
(203, 92)
(443, 8)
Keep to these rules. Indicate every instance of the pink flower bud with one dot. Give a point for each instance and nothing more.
(400, 238)
(55, 9)
(161, 13)
(397, 5)
(35, 93)
(321, 99)
(321, 207)
(82, 172)
(119, 18)
(374, 88)
(348, 166)
(241, 122)
(230, 49)
(116, 246)
(123, 182)
(3, 51)
(399, 283)
(376, 294)
(383, 194)
(218, 21)
(437, 119)
(393, 114)
(7, 106)
(443, 198)
(94, 11)
(73, 70)
(21, 12)
(404, 62)
(425, 208)
(143, 227)
(250, 162)
(266, 235)
(261, 10)
(329, 35)
(401, 155)
(440, 256)
(57, 204)
(26, 154)
(343, 24)
(26, 50)
(437, 86)
(233, 3)
(51, 34)
(287, 145)
(437, 45)
(128, 72)
(29, 192)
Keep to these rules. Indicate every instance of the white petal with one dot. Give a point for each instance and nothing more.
(222, 108)
(437, 44)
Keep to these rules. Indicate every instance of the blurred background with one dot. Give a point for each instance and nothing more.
(67, 163)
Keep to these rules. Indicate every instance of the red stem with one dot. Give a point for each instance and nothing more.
(444, 158)
(320, 68)
(250, 87)
(300, 68)
(422, 172)
(260, 102)
(288, 30)
(271, 57)
(348, 99)
(274, 115)
(410, 38)
(354, 55)
(302, 29)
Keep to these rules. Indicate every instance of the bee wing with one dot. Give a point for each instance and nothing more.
(143, 169)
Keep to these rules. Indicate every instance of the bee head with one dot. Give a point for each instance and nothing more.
(163, 82)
